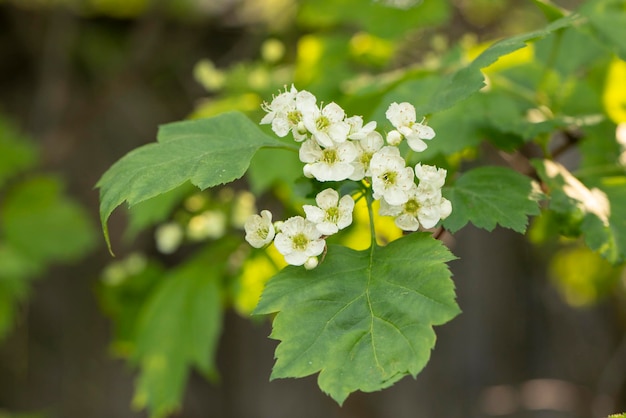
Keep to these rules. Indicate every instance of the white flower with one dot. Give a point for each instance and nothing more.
(401, 114)
(402, 117)
(259, 229)
(425, 206)
(285, 113)
(298, 240)
(365, 149)
(328, 164)
(168, 237)
(331, 213)
(357, 130)
(326, 125)
(434, 176)
(391, 179)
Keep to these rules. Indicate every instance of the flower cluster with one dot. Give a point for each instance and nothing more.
(335, 147)
(300, 240)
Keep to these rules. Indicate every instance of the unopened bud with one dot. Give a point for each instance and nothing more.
(394, 138)
(311, 263)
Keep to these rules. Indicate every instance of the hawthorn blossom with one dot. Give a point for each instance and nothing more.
(429, 174)
(402, 116)
(299, 240)
(285, 113)
(331, 213)
(365, 149)
(357, 130)
(425, 206)
(326, 125)
(391, 179)
(259, 229)
(328, 164)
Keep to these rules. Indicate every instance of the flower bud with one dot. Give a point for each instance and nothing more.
(311, 263)
(394, 138)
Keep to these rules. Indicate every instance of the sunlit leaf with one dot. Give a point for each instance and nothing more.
(205, 152)
(463, 83)
(490, 196)
(362, 319)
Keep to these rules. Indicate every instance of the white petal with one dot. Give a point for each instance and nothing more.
(313, 213)
(327, 228)
(407, 222)
(280, 126)
(396, 196)
(327, 198)
(446, 208)
(347, 152)
(310, 152)
(424, 131)
(334, 112)
(316, 247)
(372, 142)
(416, 144)
(296, 258)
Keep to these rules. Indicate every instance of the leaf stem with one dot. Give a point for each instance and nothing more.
(370, 212)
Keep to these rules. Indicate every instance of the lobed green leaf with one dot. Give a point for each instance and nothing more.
(488, 196)
(205, 152)
(362, 319)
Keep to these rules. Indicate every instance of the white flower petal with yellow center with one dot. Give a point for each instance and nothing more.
(402, 116)
(366, 148)
(299, 240)
(425, 206)
(328, 164)
(285, 113)
(331, 213)
(391, 179)
(259, 229)
(326, 125)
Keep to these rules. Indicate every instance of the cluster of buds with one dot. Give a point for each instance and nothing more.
(337, 148)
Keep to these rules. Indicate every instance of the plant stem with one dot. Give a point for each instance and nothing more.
(370, 211)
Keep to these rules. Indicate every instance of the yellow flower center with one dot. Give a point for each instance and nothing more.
(300, 242)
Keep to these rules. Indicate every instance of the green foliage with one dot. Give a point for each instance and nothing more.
(489, 196)
(39, 224)
(363, 319)
(16, 154)
(179, 328)
(205, 152)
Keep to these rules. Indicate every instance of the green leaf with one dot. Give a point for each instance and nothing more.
(362, 319)
(205, 152)
(16, 153)
(42, 224)
(467, 81)
(550, 10)
(157, 209)
(609, 237)
(608, 19)
(125, 286)
(489, 196)
(179, 328)
(375, 17)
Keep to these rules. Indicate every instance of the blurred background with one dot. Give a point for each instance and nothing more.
(82, 82)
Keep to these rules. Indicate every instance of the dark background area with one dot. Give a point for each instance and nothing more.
(90, 89)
